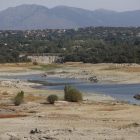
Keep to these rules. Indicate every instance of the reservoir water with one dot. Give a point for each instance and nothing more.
(120, 91)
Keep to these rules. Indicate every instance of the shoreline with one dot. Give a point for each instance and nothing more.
(99, 116)
(100, 73)
(88, 96)
(93, 73)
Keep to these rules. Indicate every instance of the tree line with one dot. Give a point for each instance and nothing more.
(91, 44)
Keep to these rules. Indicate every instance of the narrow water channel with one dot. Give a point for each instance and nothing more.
(120, 91)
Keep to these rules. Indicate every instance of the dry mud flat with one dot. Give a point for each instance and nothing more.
(102, 73)
(101, 117)
(37, 120)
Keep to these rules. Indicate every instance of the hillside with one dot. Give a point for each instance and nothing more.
(30, 17)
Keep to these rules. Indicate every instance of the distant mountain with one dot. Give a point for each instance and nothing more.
(30, 17)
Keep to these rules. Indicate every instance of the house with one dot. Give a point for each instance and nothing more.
(47, 31)
(53, 30)
(59, 32)
(88, 49)
(21, 45)
(114, 34)
(43, 35)
(64, 49)
(38, 35)
(79, 41)
(26, 44)
(138, 34)
(75, 29)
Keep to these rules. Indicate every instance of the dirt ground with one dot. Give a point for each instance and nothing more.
(101, 117)
(64, 120)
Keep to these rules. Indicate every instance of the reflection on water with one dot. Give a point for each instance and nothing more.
(120, 91)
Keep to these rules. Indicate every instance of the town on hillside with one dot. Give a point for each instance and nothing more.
(89, 44)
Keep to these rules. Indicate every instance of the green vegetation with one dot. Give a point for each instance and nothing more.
(52, 98)
(72, 94)
(4, 93)
(19, 98)
(90, 44)
(47, 67)
(66, 89)
(110, 69)
(35, 63)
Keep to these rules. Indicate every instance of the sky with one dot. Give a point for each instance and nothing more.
(115, 5)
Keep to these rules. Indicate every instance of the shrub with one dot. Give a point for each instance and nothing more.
(19, 98)
(35, 63)
(66, 92)
(52, 98)
(72, 94)
(5, 93)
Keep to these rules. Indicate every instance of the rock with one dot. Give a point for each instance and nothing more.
(15, 138)
(28, 80)
(45, 75)
(41, 116)
(12, 135)
(32, 112)
(137, 96)
(33, 138)
(93, 79)
(35, 131)
(135, 124)
(50, 138)
(32, 132)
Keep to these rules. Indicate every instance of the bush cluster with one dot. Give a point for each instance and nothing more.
(35, 63)
(19, 98)
(52, 98)
(72, 94)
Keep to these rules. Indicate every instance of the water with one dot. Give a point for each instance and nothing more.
(120, 91)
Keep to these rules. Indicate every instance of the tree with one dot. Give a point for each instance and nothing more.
(19, 98)
(72, 94)
(52, 98)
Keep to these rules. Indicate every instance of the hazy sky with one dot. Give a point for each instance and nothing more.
(116, 5)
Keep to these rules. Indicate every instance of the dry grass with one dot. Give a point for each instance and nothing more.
(112, 109)
(32, 98)
(3, 105)
(130, 69)
(11, 116)
(16, 66)
(24, 65)
(5, 96)
(71, 63)
(110, 69)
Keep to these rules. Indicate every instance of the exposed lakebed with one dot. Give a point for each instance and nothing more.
(120, 91)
